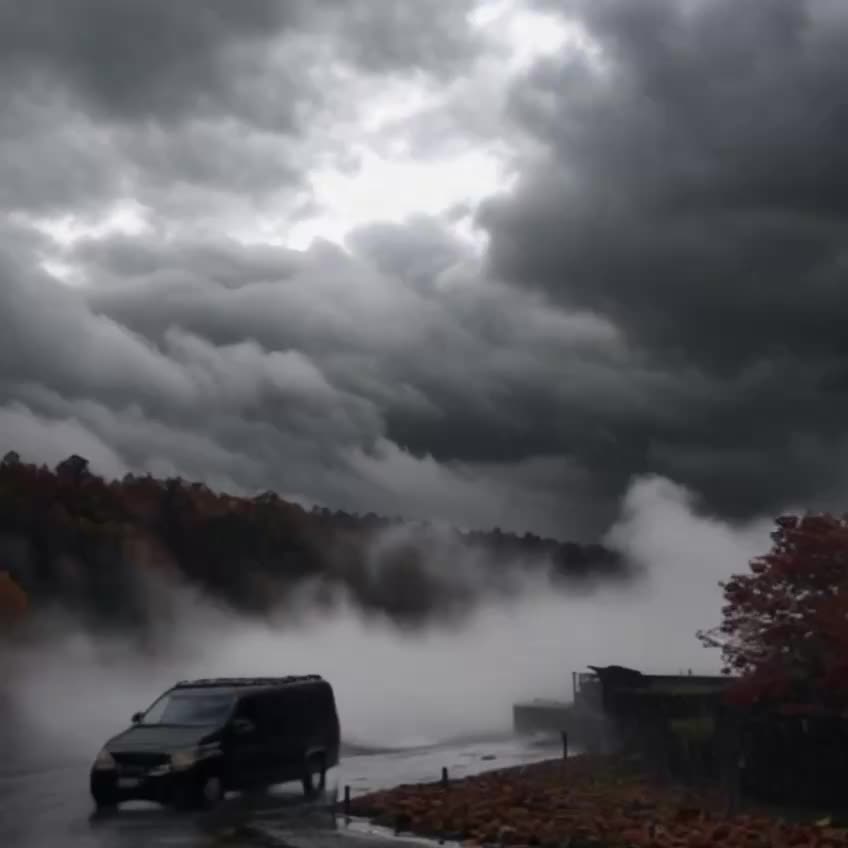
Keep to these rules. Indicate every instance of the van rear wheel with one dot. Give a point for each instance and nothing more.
(314, 766)
(105, 801)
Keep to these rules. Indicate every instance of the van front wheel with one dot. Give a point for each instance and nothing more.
(206, 793)
(211, 791)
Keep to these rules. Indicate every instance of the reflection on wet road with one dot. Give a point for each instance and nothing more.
(44, 804)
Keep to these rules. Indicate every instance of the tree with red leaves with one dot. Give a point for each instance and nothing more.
(13, 601)
(785, 628)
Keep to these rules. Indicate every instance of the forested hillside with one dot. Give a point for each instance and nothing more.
(72, 539)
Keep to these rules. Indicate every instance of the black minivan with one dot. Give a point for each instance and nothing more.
(204, 737)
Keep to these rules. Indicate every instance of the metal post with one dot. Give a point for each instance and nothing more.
(564, 736)
(445, 777)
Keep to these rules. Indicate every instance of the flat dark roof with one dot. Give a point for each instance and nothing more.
(247, 682)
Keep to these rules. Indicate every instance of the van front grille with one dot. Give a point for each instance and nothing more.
(139, 762)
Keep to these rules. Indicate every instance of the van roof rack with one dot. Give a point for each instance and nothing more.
(247, 681)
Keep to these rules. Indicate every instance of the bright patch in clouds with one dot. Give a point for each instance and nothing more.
(397, 101)
(379, 175)
(391, 184)
(127, 217)
(526, 35)
(62, 271)
(385, 189)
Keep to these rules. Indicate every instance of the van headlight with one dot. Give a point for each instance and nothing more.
(182, 760)
(104, 761)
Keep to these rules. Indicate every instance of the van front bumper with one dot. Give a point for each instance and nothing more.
(159, 785)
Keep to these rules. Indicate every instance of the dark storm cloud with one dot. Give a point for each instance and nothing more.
(663, 289)
(426, 35)
(167, 60)
(50, 336)
(417, 251)
(259, 61)
(388, 378)
(166, 395)
(323, 373)
(132, 60)
(462, 370)
(693, 190)
(222, 261)
(187, 106)
(699, 176)
(108, 99)
(51, 157)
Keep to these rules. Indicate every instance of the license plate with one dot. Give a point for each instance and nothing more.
(128, 782)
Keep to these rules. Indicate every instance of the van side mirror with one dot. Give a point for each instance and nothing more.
(243, 726)
(137, 717)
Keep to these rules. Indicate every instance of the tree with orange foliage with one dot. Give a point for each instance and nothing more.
(785, 628)
(13, 600)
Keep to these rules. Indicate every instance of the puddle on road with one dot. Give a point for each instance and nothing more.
(55, 808)
(362, 827)
(351, 833)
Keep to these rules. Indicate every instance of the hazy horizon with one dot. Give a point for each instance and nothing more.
(396, 687)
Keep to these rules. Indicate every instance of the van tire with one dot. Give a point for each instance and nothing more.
(204, 795)
(105, 801)
(211, 791)
(184, 799)
(315, 764)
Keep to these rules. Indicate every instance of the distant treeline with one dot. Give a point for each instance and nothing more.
(70, 538)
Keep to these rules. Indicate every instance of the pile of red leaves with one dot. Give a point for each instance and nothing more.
(584, 801)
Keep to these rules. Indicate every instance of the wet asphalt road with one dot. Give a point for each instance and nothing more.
(47, 804)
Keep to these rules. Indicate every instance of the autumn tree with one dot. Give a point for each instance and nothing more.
(13, 601)
(785, 627)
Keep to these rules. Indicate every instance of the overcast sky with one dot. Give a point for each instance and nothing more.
(477, 261)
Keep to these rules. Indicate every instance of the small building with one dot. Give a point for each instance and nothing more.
(685, 727)
(614, 706)
(624, 693)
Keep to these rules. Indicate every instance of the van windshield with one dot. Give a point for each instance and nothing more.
(195, 709)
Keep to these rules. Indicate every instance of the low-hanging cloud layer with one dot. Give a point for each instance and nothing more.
(482, 262)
